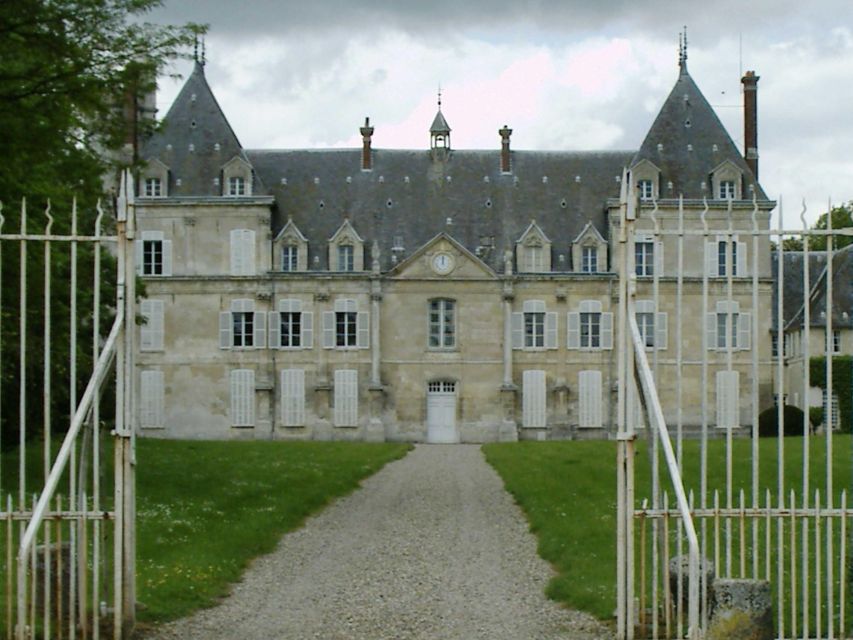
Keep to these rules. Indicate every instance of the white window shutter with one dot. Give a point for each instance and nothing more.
(138, 250)
(728, 389)
(661, 337)
(346, 398)
(145, 329)
(741, 259)
(248, 253)
(293, 397)
(167, 257)
(225, 338)
(328, 329)
(236, 252)
(589, 401)
(151, 407)
(551, 330)
(243, 398)
(659, 257)
(711, 331)
(533, 398)
(362, 323)
(606, 330)
(260, 341)
(573, 330)
(155, 325)
(711, 261)
(517, 330)
(275, 330)
(307, 330)
(744, 331)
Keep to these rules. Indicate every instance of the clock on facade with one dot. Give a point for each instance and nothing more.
(442, 263)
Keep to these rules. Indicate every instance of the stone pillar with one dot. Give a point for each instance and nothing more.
(508, 297)
(375, 352)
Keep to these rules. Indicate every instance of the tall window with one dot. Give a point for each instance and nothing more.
(346, 327)
(726, 328)
(533, 258)
(836, 341)
(345, 257)
(151, 400)
(534, 329)
(242, 327)
(292, 397)
(153, 187)
(346, 398)
(589, 327)
(151, 333)
(644, 258)
(152, 257)
(722, 260)
(646, 189)
(242, 398)
(590, 330)
(291, 328)
(589, 259)
(646, 324)
(726, 255)
(236, 186)
(727, 190)
(442, 324)
(589, 399)
(289, 257)
(729, 327)
(533, 398)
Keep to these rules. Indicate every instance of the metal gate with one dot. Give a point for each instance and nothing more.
(66, 503)
(720, 502)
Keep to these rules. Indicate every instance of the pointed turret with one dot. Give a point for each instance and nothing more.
(439, 132)
(195, 141)
(689, 149)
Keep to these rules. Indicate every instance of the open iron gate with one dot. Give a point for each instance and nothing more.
(723, 501)
(70, 503)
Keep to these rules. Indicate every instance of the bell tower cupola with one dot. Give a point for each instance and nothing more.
(439, 132)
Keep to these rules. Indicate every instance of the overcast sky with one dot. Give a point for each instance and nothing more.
(563, 74)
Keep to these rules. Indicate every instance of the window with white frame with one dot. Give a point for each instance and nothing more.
(646, 188)
(153, 254)
(728, 399)
(242, 252)
(151, 400)
(346, 398)
(346, 327)
(242, 398)
(727, 190)
(346, 257)
(535, 327)
(293, 397)
(291, 327)
(589, 259)
(726, 254)
(153, 187)
(533, 398)
(242, 327)
(534, 261)
(644, 257)
(589, 399)
(236, 186)
(728, 327)
(836, 341)
(831, 419)
(589, 327)
(151, 332)
(652, 324)
(290, 257)
(442, 323)
(774, 345)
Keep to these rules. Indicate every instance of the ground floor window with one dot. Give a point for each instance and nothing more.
(589, 399)
(346, 398)
(533, 398)
(242, 398)
(293, 397)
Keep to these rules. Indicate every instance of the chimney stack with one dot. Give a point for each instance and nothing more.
(366, 153)
(505, 133)
(750, 120)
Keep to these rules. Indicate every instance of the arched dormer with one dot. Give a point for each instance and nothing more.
(236, 178)
(346, 249)
(647, 178)
(589, 251)
(291, 249)
(533, 250)
(154, 180)
(727, 181)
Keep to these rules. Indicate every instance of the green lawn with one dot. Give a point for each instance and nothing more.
(205, 509)
(568, 489)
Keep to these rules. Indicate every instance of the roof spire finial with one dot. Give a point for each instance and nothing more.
(195, 48)
(203, 52)
(682, 49)
(439, 96)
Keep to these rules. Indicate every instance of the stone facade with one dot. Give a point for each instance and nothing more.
(436, 295)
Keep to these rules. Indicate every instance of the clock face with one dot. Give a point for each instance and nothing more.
(442, 263)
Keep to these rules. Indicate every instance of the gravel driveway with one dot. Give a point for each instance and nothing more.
(431, 547)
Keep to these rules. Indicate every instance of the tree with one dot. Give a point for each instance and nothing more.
(842, 218)
(71, 72)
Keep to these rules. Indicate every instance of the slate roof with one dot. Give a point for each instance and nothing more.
(411, 195)
(686, 118)
(842, 288)
(196, 119)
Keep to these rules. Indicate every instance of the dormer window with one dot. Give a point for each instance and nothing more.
(236, 186)
(292, 247)
(346, 257)
(290, 257)
(726, 180)
(153, 187)
(646, 189)
(533, 258)
(727, 190)
(589, 259)
(533, 250)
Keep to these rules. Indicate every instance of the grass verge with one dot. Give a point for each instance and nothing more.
(568, 490)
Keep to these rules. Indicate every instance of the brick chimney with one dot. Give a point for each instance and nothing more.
(750, 120)
(366, 153)
(505, 133)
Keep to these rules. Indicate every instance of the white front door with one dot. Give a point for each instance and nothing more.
(441, 413)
